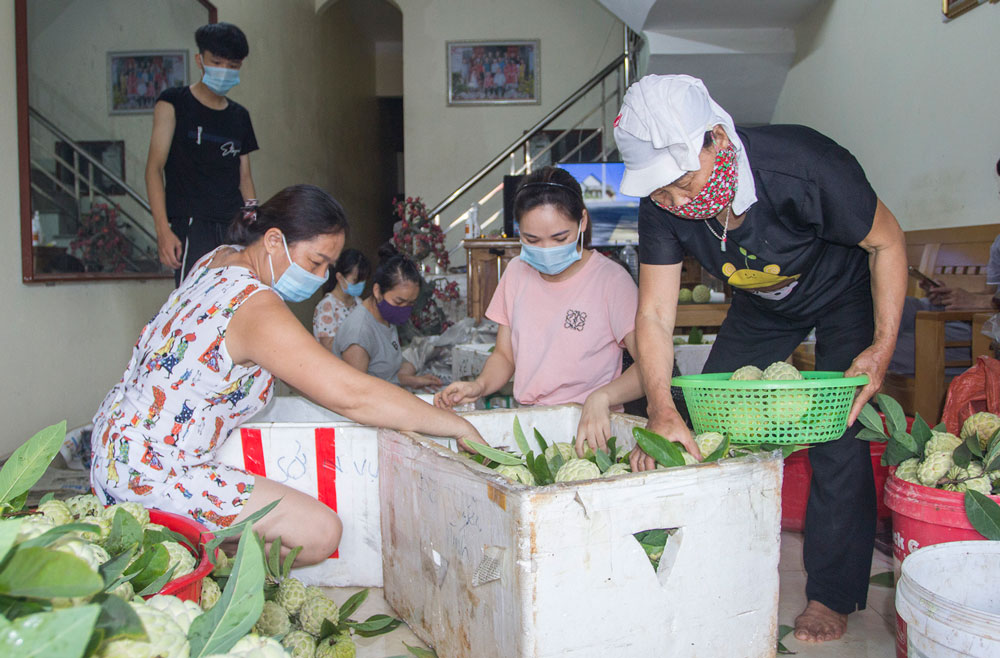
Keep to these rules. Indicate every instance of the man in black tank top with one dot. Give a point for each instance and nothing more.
(201, 145)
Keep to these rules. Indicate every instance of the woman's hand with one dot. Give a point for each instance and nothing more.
(595, 424)
(873, 362)
(472, 434)
(458, 393)
(671, 427)
(427, 382)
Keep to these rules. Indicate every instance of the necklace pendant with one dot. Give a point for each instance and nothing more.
(722, 245)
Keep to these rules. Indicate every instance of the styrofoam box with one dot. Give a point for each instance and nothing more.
(479, 566)
(309, 448)
(468, 359)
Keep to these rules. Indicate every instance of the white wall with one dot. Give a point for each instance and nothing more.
(309, 85)
(913, 98)
(445, 145)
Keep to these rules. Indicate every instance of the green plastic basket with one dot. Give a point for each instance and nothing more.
(811, 410)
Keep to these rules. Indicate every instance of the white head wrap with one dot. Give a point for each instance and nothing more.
(660, 131)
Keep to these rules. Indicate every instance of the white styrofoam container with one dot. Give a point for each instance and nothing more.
(480, 567)
(468, 359)
(309, 448)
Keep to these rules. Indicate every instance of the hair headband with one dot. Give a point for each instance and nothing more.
(546, 184)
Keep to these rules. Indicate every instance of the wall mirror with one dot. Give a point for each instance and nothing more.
(88, 75)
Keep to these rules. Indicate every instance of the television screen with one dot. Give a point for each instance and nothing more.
(615, 217)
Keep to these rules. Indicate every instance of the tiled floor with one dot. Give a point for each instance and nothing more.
(870, 633)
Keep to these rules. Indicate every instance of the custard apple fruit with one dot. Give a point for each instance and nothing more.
(256, 646)
(92, 554)
(291, 595)
(182, 612)
(980, 484)
(974, 470)
(781, 371)
(336, 648)
(577, 469)
(84, 505)
(748, 420)
(941, 442)
(273, 620)
(180, 558)
(103, 529)
(517, 473)
(33, 526)
(747, 373)
(684, 296)
(315, 610)
(56, 510)
(708, 442)
(616, 469)
(994, 476)
(138, 512)
(165, 639)
(934, 467)
(299, 644)
(154, 527)
(983, 424)
(125, 591)
(564, 450)
(210, 593)
(701, 294)
(907, 470)
(312, 591)
(689, 459)
(788, 406)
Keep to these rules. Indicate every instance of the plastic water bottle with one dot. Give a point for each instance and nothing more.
(472, 222)
(631, 258)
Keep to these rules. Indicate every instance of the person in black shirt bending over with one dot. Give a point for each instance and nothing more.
(201, 144)
(787, 217)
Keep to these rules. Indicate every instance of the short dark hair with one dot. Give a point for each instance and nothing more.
(394, 268)
(550, 186)
(300, 212)
(222, 39)
(350, 259)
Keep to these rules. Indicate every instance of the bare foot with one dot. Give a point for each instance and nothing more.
(818, 623)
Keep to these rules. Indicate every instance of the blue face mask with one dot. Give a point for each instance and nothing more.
(355, 289)
(220, 79)
(296, 284)
(552, 260)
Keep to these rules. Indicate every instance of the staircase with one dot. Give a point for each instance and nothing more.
(80, 203)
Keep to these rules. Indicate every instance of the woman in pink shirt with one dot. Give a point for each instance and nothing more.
(565, 314)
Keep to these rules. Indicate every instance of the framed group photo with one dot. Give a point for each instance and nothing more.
(135, 79)
(493, 72)
(955, 8)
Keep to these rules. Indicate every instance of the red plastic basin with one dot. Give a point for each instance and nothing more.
(186, 587)
(923, 516)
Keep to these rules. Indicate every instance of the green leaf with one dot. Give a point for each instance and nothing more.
(871, 420)
(718, 453)
(12, 607)
(992, 460)
(866, 434)
(613, 448)
(662, 450)
(940, 427)
(884, 579)
(44, 573)
(155, 561)
(150, 537)
(112, 570)
(994, 442)
(29, 462)
(125, 533)
(419, 652)
(238, 608)
(376, 625)
(603, 460)
(222, 534)
(52, 535)
(556, 462)
(64, 633)
(984, 514)
(895, 418)
(921, 432)
(499, 456)
(46, 498)
(541, 471)
(352, 604)
(8, 535)
(522, 441)
(962, 455)
(788, 449)
(16, 504)
(286, 568)
(972, 443)
(156, 585)
(905, 441)
(274, 558)
(542, 443)
(783, 631)
(895, 454)
(119, 620)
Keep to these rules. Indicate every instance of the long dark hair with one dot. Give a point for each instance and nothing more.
(394, 268)
(348, 261)
(301, 212)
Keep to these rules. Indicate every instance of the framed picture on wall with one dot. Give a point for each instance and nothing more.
(954, 8)
(493, 73)
(135, 79)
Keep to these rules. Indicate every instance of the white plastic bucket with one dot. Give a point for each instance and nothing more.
(949, 597)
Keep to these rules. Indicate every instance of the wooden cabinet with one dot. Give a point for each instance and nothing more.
(487, 259)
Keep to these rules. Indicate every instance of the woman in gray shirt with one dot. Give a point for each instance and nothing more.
(368, 340)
